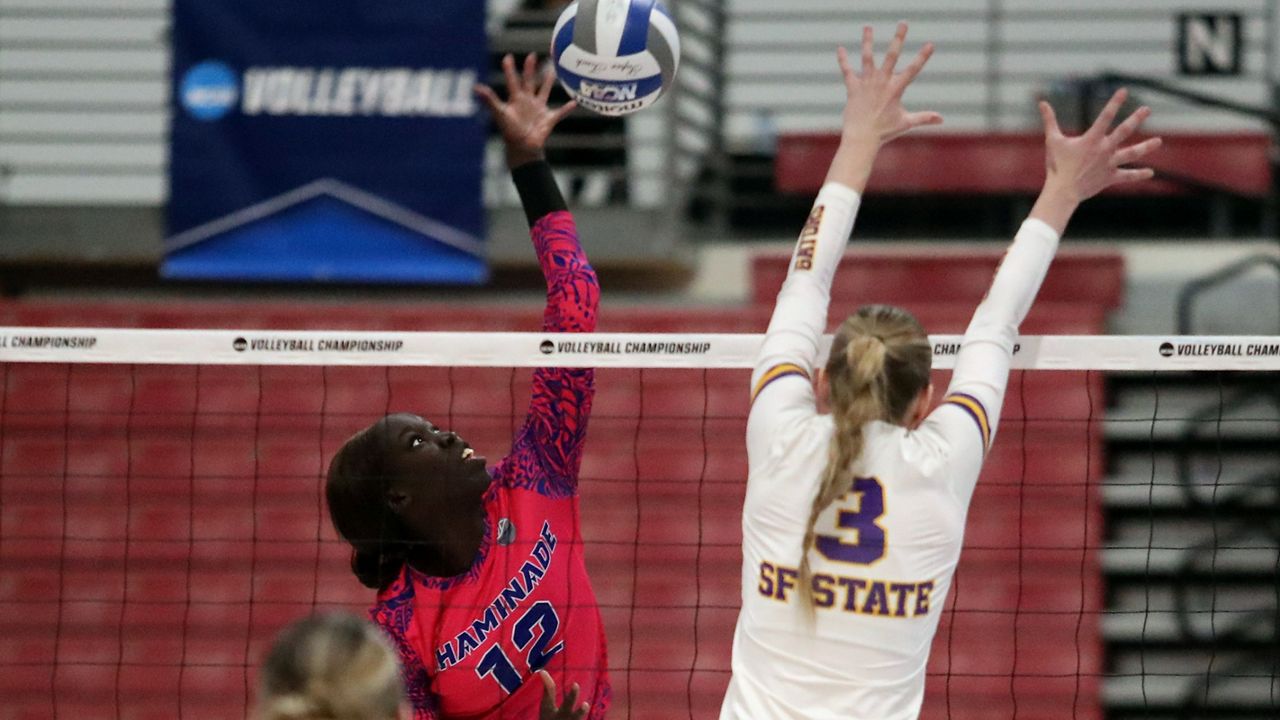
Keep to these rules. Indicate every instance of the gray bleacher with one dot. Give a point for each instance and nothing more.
(1192, 557)
(83, 85)
(993, 58)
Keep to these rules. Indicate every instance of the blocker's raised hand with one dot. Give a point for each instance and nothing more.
(873, 110)
(524, 119)
(1085, 165)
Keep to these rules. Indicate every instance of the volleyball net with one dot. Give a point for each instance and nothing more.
(162, 514)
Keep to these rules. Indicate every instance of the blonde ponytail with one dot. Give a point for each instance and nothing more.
(879, 363)
(330, 667)
(300, 706)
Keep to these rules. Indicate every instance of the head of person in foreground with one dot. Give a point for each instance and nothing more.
(331, 667)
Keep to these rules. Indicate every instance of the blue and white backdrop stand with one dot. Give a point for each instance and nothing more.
(327, 140)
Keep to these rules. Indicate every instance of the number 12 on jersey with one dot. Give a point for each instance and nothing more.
(537, 626)
(868, 507)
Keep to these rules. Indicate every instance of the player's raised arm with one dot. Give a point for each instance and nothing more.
(1076, 169)
(873, 115)
(561, 402)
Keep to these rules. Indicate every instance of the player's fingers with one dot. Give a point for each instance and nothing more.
(868, 51)
(571, 697)
(895, 48)
(1049, 119)
(548, 82)
(1130, 126)
(1134, 153)
(563, 111)
(917, 64)
(1108, 114)
(842, 57)
(490, 98)
(920, 119)
(581, 712)
(1128, 175)
(509, 71)
(530, 74)
(548, 691)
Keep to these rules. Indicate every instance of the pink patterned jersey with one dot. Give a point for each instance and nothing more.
(470, 644)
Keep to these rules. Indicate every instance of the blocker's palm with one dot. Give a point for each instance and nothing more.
(873, 106)
(524, 119)
(1084, 165)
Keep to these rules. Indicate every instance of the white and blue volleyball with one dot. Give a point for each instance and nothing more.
(615, 56)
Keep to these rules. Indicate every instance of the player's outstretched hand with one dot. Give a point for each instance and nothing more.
(1077, 168)
(524, 119)
(569, 710)
(1083, 166)
(873, 110)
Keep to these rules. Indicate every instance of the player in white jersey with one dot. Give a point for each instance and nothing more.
(853, 521)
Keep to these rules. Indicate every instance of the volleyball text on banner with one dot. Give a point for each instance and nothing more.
(327, 140)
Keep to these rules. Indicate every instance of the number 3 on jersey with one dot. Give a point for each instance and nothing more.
(869, 546)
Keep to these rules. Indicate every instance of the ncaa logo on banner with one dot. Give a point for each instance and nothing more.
(209, 90)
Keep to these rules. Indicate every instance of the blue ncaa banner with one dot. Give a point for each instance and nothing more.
(332, 140)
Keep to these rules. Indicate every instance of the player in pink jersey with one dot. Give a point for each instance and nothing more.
(479, 571)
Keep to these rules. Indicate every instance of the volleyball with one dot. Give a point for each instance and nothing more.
(615, 56)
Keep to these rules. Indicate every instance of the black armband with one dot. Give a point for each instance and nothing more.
(539, 193)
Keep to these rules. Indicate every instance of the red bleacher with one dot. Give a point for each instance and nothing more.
(1013, 163)
(157, 502)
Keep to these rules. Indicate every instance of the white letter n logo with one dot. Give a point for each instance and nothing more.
(1209, 44)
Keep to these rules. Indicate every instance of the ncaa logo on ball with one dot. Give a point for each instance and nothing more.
(607, 93)
(615, 56)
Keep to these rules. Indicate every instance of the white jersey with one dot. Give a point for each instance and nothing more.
(887, 549)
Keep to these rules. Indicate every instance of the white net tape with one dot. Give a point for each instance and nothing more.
(632, 350)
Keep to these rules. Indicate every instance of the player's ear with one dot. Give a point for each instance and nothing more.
(920, 408)
(822, 389)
